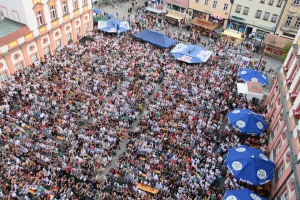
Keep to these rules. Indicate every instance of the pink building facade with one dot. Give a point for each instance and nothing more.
(283, 105)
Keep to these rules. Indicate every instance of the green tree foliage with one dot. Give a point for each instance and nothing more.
(285, 51)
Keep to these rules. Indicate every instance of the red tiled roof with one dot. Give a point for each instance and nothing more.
(276, 41)
(14, 36)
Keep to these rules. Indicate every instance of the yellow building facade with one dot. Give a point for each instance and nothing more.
(289, 23)
(216, 11)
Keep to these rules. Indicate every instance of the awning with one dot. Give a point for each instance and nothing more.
(155, 10)
(96, 19)
(203, 23)
(216, 17)
(181, 3)
(251, 89)
(234, 35)
(174, 16)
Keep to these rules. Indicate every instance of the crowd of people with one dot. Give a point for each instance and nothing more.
(62, 122)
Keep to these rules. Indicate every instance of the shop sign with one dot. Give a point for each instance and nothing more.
(237, 18)
(267, 27)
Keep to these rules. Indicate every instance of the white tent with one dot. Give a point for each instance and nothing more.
(250, 89)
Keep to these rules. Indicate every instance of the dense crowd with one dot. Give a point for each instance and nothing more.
(62, 122)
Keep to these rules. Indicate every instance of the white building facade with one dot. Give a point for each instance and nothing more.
(47, 24)
(254, 18)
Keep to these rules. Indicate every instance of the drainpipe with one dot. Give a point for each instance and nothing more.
(280, 16)
(289, 136)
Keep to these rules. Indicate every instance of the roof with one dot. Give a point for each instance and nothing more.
(154, 10)
(203, 23)
(11, 30)
(174, 16)
(232, 34)
(181, 3)
(254, 87)
(276, 41)
(9, 26)
(155, 38)
(96, 19)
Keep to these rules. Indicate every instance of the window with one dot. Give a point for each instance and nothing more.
(277, 127)
(197, 1)
(295, 73)
(214, 4)
(274, 18)
(266, 16)
(298, 89)
(280, 172)
(278, 148)
(69, 37)
(86, 26)
(39, 17)
(285, 196)
(297, 23)
(46, 50)
(246, 11)
(52, 12)
(296, 2)
(19, 66)
(57, 43)
(3, 77)
(238, 8)
(262, 1)
(33, 58)
(78, 31)
(258, 14)
(74, 4)
(205, 2)
(64, 7)
(84, 2)
(225, 6)
(288, 21)
(279, 3)
(271, 2)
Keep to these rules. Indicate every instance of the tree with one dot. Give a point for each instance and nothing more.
(285, 51)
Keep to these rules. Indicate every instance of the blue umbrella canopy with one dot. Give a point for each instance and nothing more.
(242, 194)
(191, 53)
(113, 26)
(110, 16)
(247, 74)
(246, 121)
(250, 165)
(97, 11)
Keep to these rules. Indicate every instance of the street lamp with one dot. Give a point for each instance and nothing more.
(262, 55)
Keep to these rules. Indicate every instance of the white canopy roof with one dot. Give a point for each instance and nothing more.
(251, 89)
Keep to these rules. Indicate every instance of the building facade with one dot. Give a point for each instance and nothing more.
(283, 104)
(289, 23)
(177, 10)
(254, 18)
(211, 10)
(38, 27)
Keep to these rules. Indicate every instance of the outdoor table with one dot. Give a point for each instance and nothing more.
(147, 188)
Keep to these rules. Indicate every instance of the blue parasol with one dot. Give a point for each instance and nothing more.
(247, 74)
(250, 165)
(247, 121)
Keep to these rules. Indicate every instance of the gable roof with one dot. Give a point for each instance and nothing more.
(11, 30)
(155, 38)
